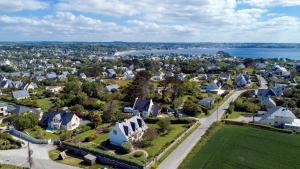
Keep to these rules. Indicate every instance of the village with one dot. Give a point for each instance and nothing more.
(132, 112)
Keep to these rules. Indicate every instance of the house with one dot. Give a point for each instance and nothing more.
(241, 66)
(112, 87)
(145, 108)
(268, 102)
(242, 80)
(128, 75)
(20, 94)
(181, 76)
(54, 89)
(82, 76)
(19, 109)
(278, 117)
(60, 121)
(269, 92)
(214, 87)
(30, 86)
(282, 71)
(260, 66)
(158, 76)
(3, 109)
(111, 73)
(51, 76)
(130, 130)
(208, 102)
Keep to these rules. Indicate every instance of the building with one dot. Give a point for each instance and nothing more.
(242, 80)
(268, 102)
(145, 108)
(54, 89)
(3, 109)
(111, 73)
(30, 86)
(60, 121)
(129, 130)
(269, 92)
(208, 102)
(112, 87)
(20, 94)
(214, 87)
(278, 117)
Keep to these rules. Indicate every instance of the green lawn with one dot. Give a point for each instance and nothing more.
(163, 140)
(231, 146)
(237, 114)
(73, 160)
(7, 166)
(39, 133)
(44, 104)
(160, 142)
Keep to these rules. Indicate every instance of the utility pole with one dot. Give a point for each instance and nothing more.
(29, 158)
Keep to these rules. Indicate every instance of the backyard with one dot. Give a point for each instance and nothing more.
(97, 140)
(244, 147)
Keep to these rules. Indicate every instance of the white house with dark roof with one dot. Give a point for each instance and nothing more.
(129, 130)
(214, 87)
(145, 108)
(278, 117)
(242, 80)
(3, 109)
(60, 121)
(112, 87)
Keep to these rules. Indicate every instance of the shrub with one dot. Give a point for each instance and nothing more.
(127, 147)
(138, 154)
(164, 124)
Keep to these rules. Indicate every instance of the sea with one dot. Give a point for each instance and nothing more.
(290, 53)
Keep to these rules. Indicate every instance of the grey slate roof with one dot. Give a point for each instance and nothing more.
(142, 104)
(64, 117)
(20, 94)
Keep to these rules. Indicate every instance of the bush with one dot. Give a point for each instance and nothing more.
(164, 124)
(127, 147)
(24, 121)
(138, 154)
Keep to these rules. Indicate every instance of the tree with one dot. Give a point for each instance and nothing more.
(139, 87)
(24, 121)
(110, 111)
(127, 147)
(78, 108)
(164, 124)
(191, 108)
(96, 118)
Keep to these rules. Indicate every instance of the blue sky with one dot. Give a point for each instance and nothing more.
(151, 20)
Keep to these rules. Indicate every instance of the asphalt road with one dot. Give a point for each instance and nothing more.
(40, 156)
(179, 154)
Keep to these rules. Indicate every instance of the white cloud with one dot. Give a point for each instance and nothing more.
(157, 20)
(266, 3)
(19, 5)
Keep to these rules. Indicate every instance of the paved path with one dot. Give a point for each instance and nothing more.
(40, 158)
(263, 82)
(179, 154)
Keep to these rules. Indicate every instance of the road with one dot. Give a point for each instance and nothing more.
(179, 154)
(263, 82)
(40, 156)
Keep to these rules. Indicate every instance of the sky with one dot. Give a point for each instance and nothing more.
(276, 21)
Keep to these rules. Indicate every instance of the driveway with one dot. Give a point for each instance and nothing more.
(179, 154)
(40, 156)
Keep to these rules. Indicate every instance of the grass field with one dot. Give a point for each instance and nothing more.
(7, 166)
(72, 160)
(230, 146)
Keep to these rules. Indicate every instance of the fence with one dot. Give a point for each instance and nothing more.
(26, 137)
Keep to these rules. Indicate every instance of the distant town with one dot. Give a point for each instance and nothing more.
(83, 105)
